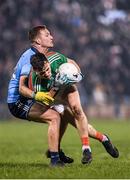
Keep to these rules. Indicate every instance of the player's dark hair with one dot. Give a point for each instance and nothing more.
(32, 34)
(37, 61)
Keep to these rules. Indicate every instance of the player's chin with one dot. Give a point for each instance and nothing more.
(51, 45)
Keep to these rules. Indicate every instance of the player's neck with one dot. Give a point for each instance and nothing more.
(40, 49)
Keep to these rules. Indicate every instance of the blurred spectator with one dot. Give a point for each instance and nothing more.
(99, 94)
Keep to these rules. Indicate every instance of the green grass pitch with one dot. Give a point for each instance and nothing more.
(23, 145)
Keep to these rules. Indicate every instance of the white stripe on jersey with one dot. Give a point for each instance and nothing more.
(53, 57)
(54, 60)
(39, 84)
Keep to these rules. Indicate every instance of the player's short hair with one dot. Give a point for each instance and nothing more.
(37, 61)
(32, 34)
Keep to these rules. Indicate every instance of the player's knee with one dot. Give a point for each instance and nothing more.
(90, 127)
(56, 116)
(77, 111)
(55, 119)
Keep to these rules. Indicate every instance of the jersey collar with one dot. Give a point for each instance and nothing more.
(34, 49)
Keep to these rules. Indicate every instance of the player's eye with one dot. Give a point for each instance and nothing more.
(41, 73)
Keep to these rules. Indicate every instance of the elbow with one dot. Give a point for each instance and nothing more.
(20, 90)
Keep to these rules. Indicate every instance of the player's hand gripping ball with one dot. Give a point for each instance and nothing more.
(68, 74)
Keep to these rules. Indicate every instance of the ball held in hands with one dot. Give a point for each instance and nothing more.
(68, 74)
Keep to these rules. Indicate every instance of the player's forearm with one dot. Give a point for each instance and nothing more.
(23, 89)
(53, 92)
(73, 62)
(26, 92)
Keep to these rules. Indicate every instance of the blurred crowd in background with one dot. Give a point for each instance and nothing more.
(96, 33)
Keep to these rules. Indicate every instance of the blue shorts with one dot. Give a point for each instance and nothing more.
(21, 107)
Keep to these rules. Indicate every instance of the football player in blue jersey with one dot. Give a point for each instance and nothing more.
(22, 101)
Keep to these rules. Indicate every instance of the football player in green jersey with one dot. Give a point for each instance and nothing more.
(39, 80)
(44, 80)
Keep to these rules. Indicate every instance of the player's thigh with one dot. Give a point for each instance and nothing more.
(68, 117)
(72, 96)
(42, 113)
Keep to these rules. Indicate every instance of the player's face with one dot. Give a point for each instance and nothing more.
(46, 71)
(45, 39)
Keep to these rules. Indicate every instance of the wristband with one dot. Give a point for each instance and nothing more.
(33, 94)
(55, 88)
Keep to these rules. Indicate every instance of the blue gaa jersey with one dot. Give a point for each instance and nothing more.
(22, 68)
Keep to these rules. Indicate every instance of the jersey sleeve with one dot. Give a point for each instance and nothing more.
(25, 70)
(63, 58)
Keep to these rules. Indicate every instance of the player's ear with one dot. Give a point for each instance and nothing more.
(38, 41)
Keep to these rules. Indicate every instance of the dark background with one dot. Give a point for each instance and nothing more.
(94, 33)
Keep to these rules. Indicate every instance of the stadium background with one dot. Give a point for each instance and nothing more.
(94, 33)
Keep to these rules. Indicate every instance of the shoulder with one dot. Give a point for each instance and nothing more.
(52, 56)
(51, 53)
(54, 53)
(26, 55)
